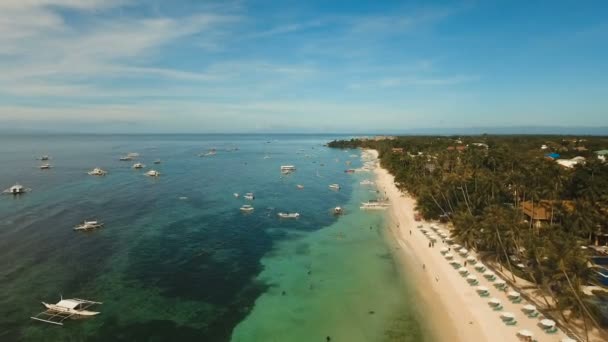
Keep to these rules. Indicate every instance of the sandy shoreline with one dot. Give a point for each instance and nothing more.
(456, 311)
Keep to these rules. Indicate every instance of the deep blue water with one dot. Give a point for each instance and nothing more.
(167, 269)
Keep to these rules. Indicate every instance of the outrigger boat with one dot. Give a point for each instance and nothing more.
(88, 225)
(45, 166)
(64, 309)
(125, 158)
(334, 186)
(246, 208)
(16, 189)
(289, 215)
(152, 173)
(97, 172)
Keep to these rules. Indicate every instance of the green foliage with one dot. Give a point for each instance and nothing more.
(481, 188)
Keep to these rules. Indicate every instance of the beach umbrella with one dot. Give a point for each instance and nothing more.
(500, 282)
(495, 301)
(443, 250)
(567, 339)
(471, 278)
(513, 294)
(488, 273)
(463, 270)
(449, 240)
(549, 323)
(507, 316)
(481, 289)
(471, 259)
(456, 246)
(529, 308)
(525, 333)
(449, 256)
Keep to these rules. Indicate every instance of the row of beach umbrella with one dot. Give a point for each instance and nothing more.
(515, 297)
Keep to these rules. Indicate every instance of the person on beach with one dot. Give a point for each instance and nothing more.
(423, 266)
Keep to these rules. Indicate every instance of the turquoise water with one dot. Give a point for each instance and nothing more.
(196, 269)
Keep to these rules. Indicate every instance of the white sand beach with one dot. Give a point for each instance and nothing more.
(456, 310)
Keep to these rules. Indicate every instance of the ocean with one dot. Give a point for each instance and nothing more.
(178, 261)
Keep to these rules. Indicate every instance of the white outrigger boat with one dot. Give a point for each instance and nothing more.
(334, 186)
(16, 189)
(152, 173)
(289, 215)
(138, 166)
(249, 196)
(88, 225)
(247, 208)
(287, 168)
(97, 172)
(374, 205)
(64, 309)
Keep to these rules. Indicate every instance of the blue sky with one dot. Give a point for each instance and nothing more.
(301, 66)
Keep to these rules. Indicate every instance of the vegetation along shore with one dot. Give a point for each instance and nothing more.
(533, 208)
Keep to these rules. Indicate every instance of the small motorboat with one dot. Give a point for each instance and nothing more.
(157, 161)
(152, 173)
(246, 208)
(138, 166)
(334, 186)
(44, 157)
(249, 196)
(338, 211)
(287, 168)
(45, 166)
(236, 195)
(64, 309)
(289, 215)
(97, 172)
(88, 225)
(16, 189)
(125, 158)
(300, 186)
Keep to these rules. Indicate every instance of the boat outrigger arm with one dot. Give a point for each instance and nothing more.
(64, 309)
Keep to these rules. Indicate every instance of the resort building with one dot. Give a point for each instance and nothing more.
(541, 212)
(602, 155)
(570, 163)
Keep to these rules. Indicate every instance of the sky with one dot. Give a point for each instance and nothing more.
(194, 66)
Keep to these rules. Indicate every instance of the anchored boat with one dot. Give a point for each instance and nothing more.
(64, 309)
(88, 225)
(289, 215)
